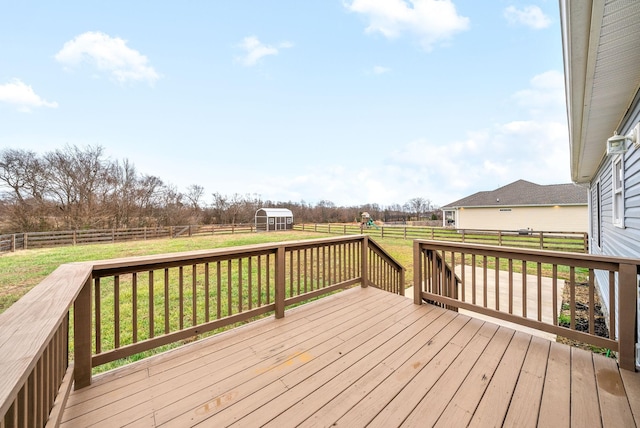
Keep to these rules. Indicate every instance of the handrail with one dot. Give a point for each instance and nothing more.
(522, 286)
(34, 344)
(384, 271)
(214, 288)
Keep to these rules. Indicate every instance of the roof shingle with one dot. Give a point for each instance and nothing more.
(524, 192)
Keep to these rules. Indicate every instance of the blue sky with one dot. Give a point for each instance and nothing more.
(352, 101)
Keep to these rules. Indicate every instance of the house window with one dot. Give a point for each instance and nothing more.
(618, 191)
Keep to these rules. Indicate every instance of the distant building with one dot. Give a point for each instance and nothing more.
(270, 219)
(522, 205)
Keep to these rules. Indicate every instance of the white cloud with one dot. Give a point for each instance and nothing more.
(529, 16)
(378, 69)
(22, 95)
(534, 148)
(255, 50)
(109, 55)
(545, 96)
(431, 21)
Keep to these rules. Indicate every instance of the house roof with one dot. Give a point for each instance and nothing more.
(602, 75)
(525, 193)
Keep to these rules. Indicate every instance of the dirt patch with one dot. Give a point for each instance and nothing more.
(582, 317)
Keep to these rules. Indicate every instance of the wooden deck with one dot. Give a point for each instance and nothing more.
(364, 357)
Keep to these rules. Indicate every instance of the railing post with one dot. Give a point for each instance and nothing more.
(280, 285)
(585, 238)
(82, 336)
(417, 274)
(364, 261)
(627, 284)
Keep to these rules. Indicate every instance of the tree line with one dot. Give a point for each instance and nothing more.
(80, 188)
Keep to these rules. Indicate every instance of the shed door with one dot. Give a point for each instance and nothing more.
(281, 223)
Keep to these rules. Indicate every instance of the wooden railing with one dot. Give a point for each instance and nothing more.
(525, 286)
(124, 307)
(554, 241)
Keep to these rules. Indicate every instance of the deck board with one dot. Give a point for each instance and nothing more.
(362, 357)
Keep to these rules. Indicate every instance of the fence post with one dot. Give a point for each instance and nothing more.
(500, 238)
(344, 229)
(13, 243)
(627, 283)
(113, 235)
(405, 232)
(364, 262)
(541, 240)
(189, 231)
(280, 279)
(75, 237)
(24, 241)
(463, 237)
(82, 336)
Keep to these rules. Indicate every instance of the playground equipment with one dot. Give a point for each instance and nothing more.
(367, 221)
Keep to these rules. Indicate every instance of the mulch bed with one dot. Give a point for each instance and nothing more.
(582, 316)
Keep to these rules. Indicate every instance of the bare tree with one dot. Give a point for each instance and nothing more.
(23, 175)
(419, 206)
(220, 207)
(124, 197)
(194, 195)
(76, 180)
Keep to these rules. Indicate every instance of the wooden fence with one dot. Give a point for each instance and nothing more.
(554, 241)
(123, 307)
(23, 241)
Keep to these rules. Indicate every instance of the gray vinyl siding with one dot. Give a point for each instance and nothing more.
(615, 240)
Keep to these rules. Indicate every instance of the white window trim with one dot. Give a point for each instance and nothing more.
(617, 217)
(598, 215)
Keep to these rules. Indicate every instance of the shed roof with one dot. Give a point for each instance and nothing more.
(276, 212)
(525, 193)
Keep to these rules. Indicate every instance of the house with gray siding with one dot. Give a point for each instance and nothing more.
(601, 45)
